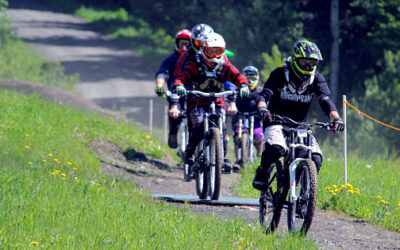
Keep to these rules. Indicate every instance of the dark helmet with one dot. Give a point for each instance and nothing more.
(199, 35)
(305, 57)
(182, 34)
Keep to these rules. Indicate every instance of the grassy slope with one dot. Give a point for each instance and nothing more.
(53, 195)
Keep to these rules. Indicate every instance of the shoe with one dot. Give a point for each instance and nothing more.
(260, 179)
(172, 140)
(226, 166)
(188, 159)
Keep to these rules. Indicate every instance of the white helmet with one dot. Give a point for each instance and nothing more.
(213, 49)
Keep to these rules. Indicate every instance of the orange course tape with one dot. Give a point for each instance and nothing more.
(375, 120)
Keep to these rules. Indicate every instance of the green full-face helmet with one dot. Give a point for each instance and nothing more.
(305, 57)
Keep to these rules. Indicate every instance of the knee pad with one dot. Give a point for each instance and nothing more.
(317, 159)
(258, 141)
(271, 154)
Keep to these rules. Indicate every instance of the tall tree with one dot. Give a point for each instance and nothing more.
(334, 72)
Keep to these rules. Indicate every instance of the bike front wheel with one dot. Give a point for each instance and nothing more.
(201, 177)
(215, 163)
(301, 211)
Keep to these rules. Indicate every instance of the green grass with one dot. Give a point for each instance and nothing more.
(53, 194)
(373, 193)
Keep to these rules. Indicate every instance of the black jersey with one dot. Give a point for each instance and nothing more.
(292, 97)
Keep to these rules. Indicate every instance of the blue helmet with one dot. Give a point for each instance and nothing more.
(252, 75)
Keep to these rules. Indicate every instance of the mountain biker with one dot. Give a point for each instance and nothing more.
(198, 35)
(249, 105)
(165, 74)
(288, 92)
(206, 72)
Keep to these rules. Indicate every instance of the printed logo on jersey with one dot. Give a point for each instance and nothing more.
(290, 95)
(210, 83)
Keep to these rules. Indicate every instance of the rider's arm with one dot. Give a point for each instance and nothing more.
(324, 96)
(232, 74)
(186, 75)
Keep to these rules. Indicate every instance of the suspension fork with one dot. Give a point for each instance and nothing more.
(251, 137)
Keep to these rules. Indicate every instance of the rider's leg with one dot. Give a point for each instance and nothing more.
(316, 155)
(173, 128)
(317, 159)
(196, 132)
(258, 137)
(275, 148)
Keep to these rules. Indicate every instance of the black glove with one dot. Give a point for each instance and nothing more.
(264, 113)
(337, 124)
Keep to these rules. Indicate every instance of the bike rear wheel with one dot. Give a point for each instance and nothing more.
(272, 200)
(215, 161)
(244, 144)
(201, 177)
(301, 212)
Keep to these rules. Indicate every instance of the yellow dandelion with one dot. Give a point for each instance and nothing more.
(43, 156)
(69, 163)
(74, 169)
(342, 186)
(50, 154)
(334, 186)
(27, 134)
(327, 188)
(350, 191)
(34, 243)
(337, 190)
(378, 197)
(63, 174)
(27, 147)
(56, 172)
(357, 189)
(147, 136)
(55, 159)
(398, 203)
(30, 163)
(349, 185)
(44, 161)
(334, 193)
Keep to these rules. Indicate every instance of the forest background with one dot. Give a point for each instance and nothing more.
(359, 41)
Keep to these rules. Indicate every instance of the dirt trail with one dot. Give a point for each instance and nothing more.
(111, 75)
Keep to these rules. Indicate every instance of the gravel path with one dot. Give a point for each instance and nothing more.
(112, 76)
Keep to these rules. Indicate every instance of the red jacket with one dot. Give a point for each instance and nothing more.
(195, 75)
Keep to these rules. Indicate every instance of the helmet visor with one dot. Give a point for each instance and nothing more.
(213, 52)
(307, 64)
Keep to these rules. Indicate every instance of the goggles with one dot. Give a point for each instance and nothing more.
(305, 63)
(213, 52)
(183, 43)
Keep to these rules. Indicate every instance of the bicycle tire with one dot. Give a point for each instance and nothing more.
(272, 200)
(201, 179)
(301, 212)
(215, 168)
(244, 144)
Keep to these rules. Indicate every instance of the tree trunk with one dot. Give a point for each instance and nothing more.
(334, 72)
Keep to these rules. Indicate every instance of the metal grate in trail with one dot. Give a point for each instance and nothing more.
(222, 201)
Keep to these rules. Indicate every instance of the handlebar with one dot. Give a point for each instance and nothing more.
(202, 94)
(290, 122)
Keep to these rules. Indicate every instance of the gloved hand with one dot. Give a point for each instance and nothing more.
(337, 124)
(264, 113)
(180, 90)
(160, 91)
(244, 91)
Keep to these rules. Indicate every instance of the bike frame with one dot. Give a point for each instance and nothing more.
(247, 116)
